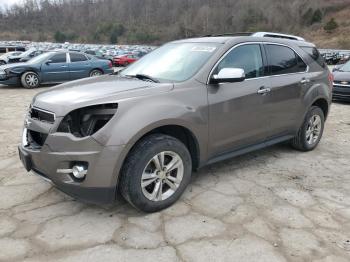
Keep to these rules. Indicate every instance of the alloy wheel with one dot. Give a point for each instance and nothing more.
(313, 129)
(162, 176)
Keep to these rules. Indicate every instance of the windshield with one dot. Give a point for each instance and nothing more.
(40, 58)
(28, 52)
(174, 62)
(346, 67)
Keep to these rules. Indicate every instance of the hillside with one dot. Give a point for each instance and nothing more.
(158, 21)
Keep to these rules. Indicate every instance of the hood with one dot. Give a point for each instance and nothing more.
(98, 90)
(10, 66)
(341, 76)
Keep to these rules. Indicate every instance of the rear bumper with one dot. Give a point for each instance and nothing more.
(100, 183)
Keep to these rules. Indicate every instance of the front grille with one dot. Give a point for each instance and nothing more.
(42, 115)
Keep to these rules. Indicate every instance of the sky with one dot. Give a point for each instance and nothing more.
(8, 2)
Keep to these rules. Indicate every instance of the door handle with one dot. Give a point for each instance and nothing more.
(264, 90)
(305, 81)
(64, 66)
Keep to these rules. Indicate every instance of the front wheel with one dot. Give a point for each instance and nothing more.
(30, 80)
(310, 133)
(156, 173)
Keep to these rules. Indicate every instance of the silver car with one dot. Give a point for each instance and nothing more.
(187, 104)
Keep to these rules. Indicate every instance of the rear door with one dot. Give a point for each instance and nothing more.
(55, 69)
(288, 78)
(79, 66)
(238, 112)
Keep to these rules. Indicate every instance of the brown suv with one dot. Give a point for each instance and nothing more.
(187, 104)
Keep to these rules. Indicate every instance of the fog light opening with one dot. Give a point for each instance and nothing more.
(79, 171)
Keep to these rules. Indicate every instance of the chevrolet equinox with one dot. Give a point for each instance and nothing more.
(187, 104)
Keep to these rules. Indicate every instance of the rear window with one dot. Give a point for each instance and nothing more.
(315, 55)
(283, 60)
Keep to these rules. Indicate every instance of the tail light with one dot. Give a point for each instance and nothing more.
(330, 79)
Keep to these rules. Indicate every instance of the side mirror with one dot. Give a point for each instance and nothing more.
(229, 75)
(48, 62)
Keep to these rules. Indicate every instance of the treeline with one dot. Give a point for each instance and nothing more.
(155, 21)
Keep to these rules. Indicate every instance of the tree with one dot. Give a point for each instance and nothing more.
(60, 37)
(331, 25)
(317, 16)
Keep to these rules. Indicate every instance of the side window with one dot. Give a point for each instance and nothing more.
(283, 60)
(74, 57)
(59, 58)
(247, 57)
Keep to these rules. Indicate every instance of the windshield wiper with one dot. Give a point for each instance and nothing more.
(144, 77)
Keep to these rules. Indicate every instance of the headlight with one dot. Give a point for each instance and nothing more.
(2, 72)
(86, 121)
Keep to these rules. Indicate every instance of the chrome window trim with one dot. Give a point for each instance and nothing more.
(259, 43)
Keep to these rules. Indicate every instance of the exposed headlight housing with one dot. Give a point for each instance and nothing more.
(86, 121)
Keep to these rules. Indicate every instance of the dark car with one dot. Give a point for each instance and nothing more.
(53, 67)
(6, 49)
(341, 83)
(187, 104)
(99, 55)
(25, 56)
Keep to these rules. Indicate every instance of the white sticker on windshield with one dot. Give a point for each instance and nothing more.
(203, 49)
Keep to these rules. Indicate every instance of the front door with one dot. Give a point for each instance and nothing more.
(238, 111)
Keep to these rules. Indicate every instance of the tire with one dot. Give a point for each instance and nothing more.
(30, 80)
(126, 64)
(140, 167)
(2, 62)
(95, 72)
(310, 134)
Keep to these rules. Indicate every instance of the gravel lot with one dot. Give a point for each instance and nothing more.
(272, 205)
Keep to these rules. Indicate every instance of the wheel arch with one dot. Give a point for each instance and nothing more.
(323, 104)
(181, 132)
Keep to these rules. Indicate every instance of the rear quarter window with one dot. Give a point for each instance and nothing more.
(314, 54)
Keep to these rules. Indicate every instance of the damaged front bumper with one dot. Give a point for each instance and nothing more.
(45, 153)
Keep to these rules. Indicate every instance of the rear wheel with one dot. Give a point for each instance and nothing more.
(156, 173)
(310, 133)
(30, 80)
(96, 72)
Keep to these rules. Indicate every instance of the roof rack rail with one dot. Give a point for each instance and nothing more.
(229, 34)
(278, 35)
(259, 34)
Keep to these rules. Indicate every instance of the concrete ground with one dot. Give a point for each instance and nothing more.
(276, 204)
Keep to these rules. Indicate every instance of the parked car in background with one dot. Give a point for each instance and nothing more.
(53, 67)
(99, 55)
(5, 49)
(4, 58)
(25, 56)
(124, 60)
(341, 83)
(188, 104)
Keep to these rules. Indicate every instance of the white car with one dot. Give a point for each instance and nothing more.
(5, 57)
